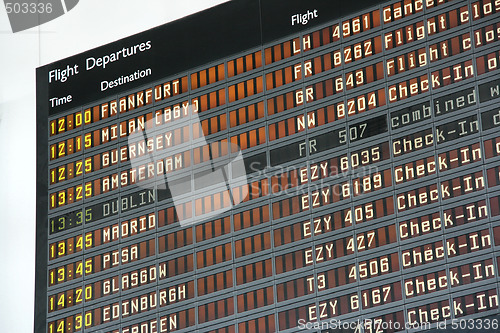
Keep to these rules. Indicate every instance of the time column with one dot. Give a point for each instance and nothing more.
(66, 266)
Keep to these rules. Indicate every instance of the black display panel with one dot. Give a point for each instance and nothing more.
(292, 166)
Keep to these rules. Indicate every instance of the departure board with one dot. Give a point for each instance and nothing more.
(275, 166)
